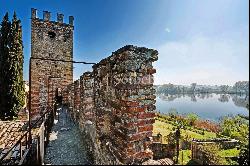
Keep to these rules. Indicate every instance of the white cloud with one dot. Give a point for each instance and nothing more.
(167, 30)
(202, 59)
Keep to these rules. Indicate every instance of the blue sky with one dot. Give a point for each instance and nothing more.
(203, 41)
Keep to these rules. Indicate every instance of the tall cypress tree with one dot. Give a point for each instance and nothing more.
(11, 70)
(5, 78)
(16, 48)
(1, 112)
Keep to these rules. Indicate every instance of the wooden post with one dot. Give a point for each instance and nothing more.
(38, 151)
(21, 153)
(30, 136)
(42, 143)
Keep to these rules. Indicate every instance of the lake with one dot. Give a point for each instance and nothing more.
(206, 106)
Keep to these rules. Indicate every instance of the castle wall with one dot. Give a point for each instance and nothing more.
(50, 40)
(113, 105)
(117, 105)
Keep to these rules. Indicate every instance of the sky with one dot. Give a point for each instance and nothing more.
(201, 41)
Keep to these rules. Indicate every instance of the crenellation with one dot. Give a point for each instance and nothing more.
(46, 20)
(60, 17)
(46, 15)
(71, 20)
(33, 13)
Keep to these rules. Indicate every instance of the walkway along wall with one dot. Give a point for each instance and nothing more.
(114, 106)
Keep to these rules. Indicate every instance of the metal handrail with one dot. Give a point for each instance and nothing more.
(25, 134)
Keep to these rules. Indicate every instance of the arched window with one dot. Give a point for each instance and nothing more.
(51, 34)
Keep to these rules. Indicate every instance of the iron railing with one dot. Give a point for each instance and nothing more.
(26, 151)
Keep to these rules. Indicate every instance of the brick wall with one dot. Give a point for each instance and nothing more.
(117, 99)
(87, 99)
(49, 40)
(114, 104)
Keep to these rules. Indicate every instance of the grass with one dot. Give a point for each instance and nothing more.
(195, 135)
(165, 128)
(186, 160)
(229, 152)
(186, 157)
(162, 127)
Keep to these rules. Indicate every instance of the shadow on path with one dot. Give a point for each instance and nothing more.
(65, 145)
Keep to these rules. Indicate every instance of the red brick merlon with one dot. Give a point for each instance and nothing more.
(119, 99)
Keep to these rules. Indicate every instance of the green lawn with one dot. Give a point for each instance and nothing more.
(162, 127)
(199, 136)
(165, 128)
(229, 152)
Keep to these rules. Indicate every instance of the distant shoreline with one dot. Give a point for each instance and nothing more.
(200, 121)
(218, 93)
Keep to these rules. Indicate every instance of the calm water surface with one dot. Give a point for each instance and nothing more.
(206, 106)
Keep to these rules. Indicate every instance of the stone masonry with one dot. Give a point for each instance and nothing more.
(87, 100)
(113, 105)
(50, 40)
(116, 106)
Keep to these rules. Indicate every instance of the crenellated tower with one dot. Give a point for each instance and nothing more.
(51, 51)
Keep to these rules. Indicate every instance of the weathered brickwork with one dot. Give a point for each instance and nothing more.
(76, 99)
(87, 99)
(49, 40)
(162, 150)
(117, 100)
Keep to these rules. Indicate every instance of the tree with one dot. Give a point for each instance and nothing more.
(193, 86)
(173, 113)
(5, 77)
(1, 56)
(235, 127)
(244, 155)
(11, 70)
(224, 88)
(242, 87)
(192, 117)
(210, 154)
(17, 67)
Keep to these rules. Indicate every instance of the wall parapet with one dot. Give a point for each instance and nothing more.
(47, 16)
(118, 99)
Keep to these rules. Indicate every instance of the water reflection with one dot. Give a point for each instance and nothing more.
(193, 98)
(224, 98)
(238, 100)
(241, 101)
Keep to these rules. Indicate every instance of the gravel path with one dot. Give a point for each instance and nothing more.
(66, 146)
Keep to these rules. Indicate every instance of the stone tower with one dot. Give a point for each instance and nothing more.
(51, 53)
